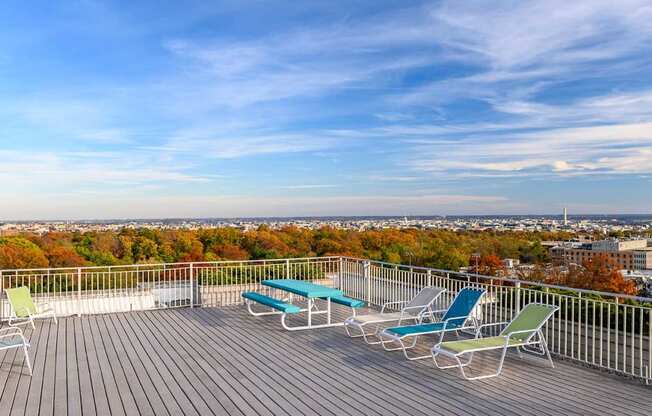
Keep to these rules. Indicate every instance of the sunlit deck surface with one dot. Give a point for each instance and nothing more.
(222, 361)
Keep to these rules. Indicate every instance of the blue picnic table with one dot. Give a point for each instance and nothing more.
(311, 292)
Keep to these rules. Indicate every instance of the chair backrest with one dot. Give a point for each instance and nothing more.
(533, 316)
(423, 300)
(21, 301)
(463, 304)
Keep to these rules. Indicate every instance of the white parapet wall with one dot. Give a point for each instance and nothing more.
(65, 304)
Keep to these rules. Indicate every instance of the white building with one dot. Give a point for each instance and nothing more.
(614, 245)
(643, 258)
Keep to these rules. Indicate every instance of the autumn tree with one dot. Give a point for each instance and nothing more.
(602, 274)
(62, 256)
(487, 264)
(20, 253)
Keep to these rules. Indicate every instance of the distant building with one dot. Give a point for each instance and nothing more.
(628, 254)
(511, 263)
(643, 258)
(614, 245)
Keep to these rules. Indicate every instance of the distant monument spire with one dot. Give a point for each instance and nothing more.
(565, 216)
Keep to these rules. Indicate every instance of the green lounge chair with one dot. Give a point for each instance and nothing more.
(23, 309)
(415, 310)
(454, 319)
(523, 332)
(13, 338)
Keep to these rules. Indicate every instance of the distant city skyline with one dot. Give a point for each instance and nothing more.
(289, 109)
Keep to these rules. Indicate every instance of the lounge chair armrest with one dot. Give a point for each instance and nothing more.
(522, 331)
(447, 320)
(492, 324)
(386, 304)
(407, 308)
(483, 326)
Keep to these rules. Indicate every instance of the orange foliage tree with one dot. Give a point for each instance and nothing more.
(603, 274)
(487, 264)
(20, 253)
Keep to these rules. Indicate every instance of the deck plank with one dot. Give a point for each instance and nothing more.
(223, 361)
(72, 371)
(169, 393)
(227, 393)
(186, 379)
(147, 398)
(245, 366)
(82, 365)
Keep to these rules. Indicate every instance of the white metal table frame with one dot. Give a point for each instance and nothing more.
(316, 292)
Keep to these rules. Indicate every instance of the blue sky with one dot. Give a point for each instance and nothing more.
(259, 108)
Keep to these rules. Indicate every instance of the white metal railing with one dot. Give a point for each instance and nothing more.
(605, 330)
(89, 290)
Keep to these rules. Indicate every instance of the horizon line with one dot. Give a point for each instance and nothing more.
(318, 217)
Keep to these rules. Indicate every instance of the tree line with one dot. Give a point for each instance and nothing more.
(441, 249)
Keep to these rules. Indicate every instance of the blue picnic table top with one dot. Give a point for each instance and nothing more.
(303, 288)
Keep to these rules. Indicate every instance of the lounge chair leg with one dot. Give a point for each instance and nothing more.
(406, 348)
(459, 364)
(392, 340)
(362, 334)
(348, 331)
(497, 373)
(544, 346)
(29, 364)
(374, 334)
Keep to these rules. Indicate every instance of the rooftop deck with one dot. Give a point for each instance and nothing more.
(222, 361)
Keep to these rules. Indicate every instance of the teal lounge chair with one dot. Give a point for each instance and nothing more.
(23, 308)
(454, 319)
(523, 332)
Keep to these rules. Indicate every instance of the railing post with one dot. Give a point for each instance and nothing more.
(287, 268)
(518, 296)
(429, 277)
(367, 279)
(340, 267)
(192, 286)
(2, 291)
(79, 294)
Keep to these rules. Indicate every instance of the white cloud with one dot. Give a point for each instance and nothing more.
(520, 48)
(23, 171)
(73, 119)
(308, 186)
(204, 142)
(608, 149)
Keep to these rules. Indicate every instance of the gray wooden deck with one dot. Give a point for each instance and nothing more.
(221, 361)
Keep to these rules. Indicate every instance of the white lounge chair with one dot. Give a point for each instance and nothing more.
(13, 337)
(415, 311)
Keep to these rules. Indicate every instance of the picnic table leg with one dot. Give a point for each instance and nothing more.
(328, 314)
(309, 312)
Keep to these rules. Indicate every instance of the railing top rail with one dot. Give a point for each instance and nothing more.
(187, 263)
(508, 280)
